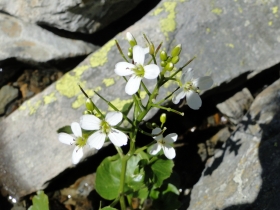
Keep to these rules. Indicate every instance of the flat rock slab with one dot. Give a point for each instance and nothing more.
(71, 15)
(30, 43)
(243, 174)
(228, 38)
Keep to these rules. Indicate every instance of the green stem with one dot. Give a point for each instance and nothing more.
(168, 109)
(120, 50)
(145, 88)
(122, 182)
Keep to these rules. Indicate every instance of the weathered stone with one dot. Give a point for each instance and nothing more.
(242, 174)
(236, 106)
(212, 31)
(76, 15)
(7, 94)
(32, 44)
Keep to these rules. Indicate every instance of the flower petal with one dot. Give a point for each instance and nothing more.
(117, 137)
(139, 54)
(169, 152)
(76, 129)
(124, 68)
(77, 155)
(151, 71)
(154, 149)
(178, 96)
(203, 83)
(146, 50)
(156, 131)
(65, 138)
(96, 140)
(170, 138)
(187, 76)
(133, 84)
(113, 118)
(129, 36)
(90, 122)
(193, 100)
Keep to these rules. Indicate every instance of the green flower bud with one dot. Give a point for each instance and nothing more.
(130, 49)
(87, 112)
(149, 125)
(129, 54)
(154, 125)
(169, 66)
(176, 50)
(131, 39)
(162, 118)
(163, 56)
(163, 63)
(175, 59)
(89, 104)
(151, 49)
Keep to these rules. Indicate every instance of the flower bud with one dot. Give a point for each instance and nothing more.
(163, 56)
(169, 66)
(151, 48)
(129, 54)
(149, 125)
(87, 112)
(175, 59)
(130, 49)
(162, 118)
(89, 104)
(176, 50)
(131, 39)
(163, 63)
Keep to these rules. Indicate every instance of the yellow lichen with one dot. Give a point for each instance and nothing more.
(118, 103)
(33, 108)
(22, 107)
(208, 30)
(68, 85)
(81, 99)
(275, 11)
(157, 11)
(99, 58)
(168, 24)
(80, 70)
(143, 94)
(217, 11)
(240, 9)
(270, 23)
(49, 98)
(230, 45)
(108, 82)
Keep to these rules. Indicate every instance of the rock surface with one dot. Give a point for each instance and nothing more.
(243, 174)
(75, 15)
(7, 94)
(32, 44)
(228, 38)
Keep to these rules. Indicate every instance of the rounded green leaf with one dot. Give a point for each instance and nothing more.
(162, 169)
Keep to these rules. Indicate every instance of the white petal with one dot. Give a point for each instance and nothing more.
(170, 138)
(117, 137)
(203, 83)
(193, 100)
(187, 76)
(76, 129)
(96, 140)
(124, 68)
(133, 84)
(156, 131)
(113, 118)
(90, 122)
(77, 155)
(129, 36)
(146, 50)
(178, 96)
(151, 71)
(154, 149)
(169, 152)
(65, 138)
(138, 54)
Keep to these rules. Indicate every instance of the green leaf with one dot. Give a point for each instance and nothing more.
(162, 169)
(108, 176)
(40, 202)
(126, 108)
(65, 129)
(108, 208)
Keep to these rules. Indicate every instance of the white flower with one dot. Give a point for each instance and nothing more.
(164, 143)
(136, 70)
(78, 140)
(103, 129)
(190, 88)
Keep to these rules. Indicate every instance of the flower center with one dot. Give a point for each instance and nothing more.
(139, 70)
(80, 141)
(189, 86)
(105, 127)
(162, 142)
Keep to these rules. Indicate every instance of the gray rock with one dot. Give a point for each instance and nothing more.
(236, 106)
(32, 44)
(243, 174)
(229, 39)
(76, 15)
(7, 95)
